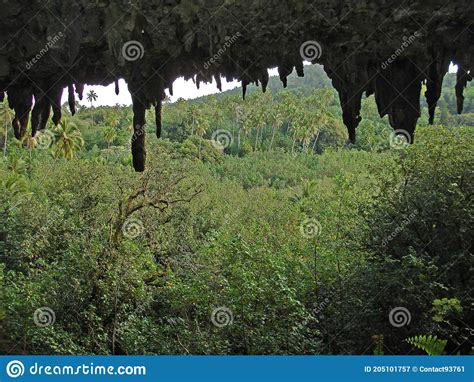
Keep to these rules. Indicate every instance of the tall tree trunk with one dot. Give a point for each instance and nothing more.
(294, 142)
(5, 142)
(256, 141)
(93, 121)
(316, 140)
(273, 136)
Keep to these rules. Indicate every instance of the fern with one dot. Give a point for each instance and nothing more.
(432, 345)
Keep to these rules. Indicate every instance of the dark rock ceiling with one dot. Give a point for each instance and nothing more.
(387, 48)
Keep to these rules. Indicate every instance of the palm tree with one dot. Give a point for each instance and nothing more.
(92, 96)
(30, 143)
(68, 139)
(110, 135)
(113, 119)
(201, 130)
(243, 116)
(6, 116)
(193, 114)
(276, 120)
(292, 111)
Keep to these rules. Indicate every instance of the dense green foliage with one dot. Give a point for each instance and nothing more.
(309, 244)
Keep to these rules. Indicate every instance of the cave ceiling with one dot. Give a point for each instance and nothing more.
(388, 49)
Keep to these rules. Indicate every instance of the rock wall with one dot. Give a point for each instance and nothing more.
(383, 47)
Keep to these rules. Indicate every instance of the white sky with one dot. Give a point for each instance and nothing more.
(181, 89)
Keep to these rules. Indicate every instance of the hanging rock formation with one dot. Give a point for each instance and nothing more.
(388, 48)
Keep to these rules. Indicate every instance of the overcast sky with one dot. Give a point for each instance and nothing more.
(181, 89)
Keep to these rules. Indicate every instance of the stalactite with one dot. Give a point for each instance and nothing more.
(350, 88)
(20, 99)
(351, 104)
(55, 95)
(462, 78)
(139, 126)
(158, 110)
(245, 83)
(39, 117)
(284, 71)
(71, 99)
(264, 78)
(370, 89)
(397, 92)
(45, 113)
(434, 83)
(80, 91)
(218, 82)
(300, 69)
